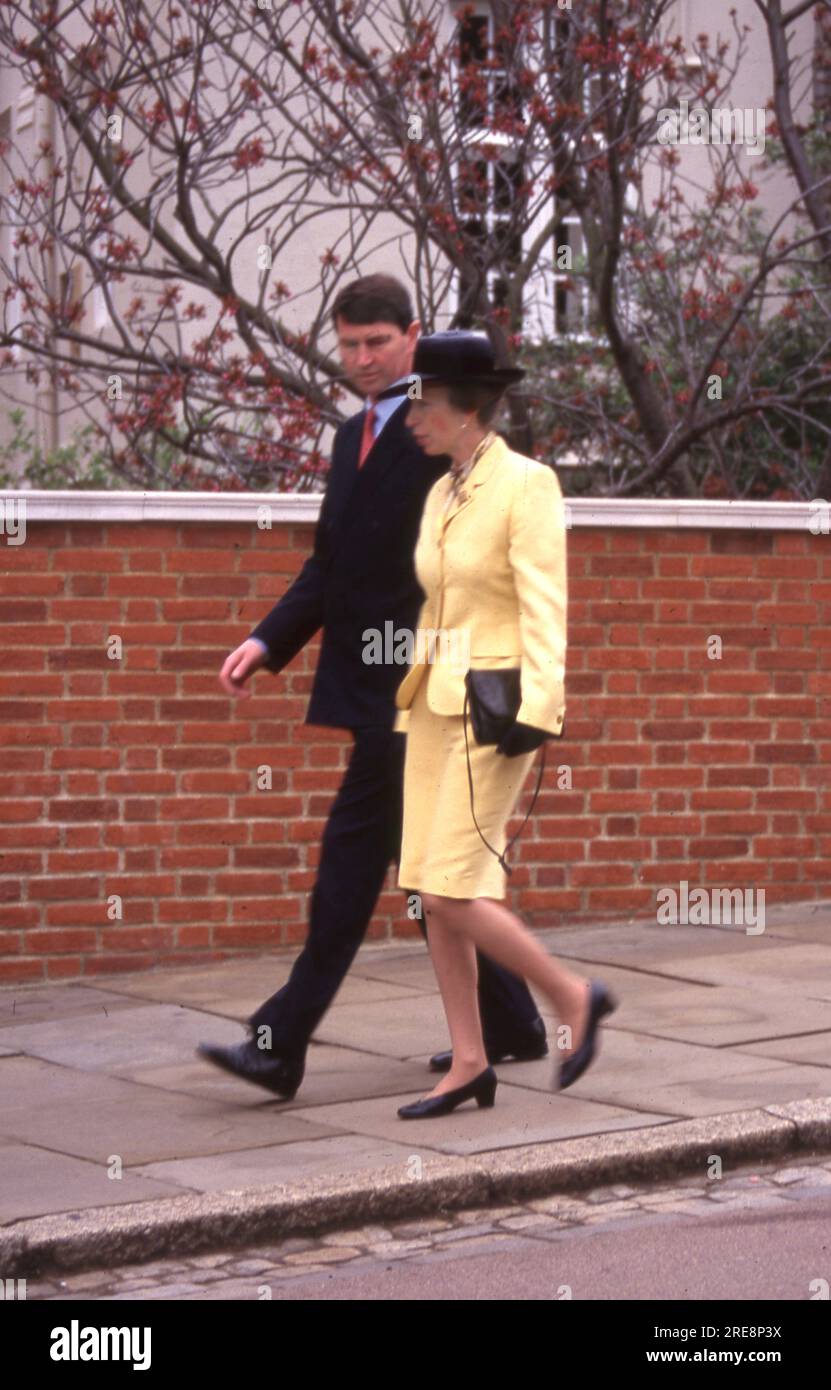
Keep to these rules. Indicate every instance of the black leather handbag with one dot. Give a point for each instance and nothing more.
(493, 698)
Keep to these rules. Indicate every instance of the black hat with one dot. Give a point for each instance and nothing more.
(455, 356)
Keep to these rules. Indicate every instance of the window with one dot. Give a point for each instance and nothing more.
(71, 293)
(571, 295)
(100, 312)
(486, 191)
(682, 26)
(10, 308)
(491, 173)
(486, 87)
(100, 308)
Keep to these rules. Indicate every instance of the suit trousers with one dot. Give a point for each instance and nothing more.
(361, 838)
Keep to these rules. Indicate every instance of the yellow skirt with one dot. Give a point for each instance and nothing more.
(441, 851)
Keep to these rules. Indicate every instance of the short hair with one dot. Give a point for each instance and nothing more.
(374, 299)
(484, 398)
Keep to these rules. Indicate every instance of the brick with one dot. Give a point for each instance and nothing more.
(784, 753)
(619, 900)
(19, 971)
(642, 566)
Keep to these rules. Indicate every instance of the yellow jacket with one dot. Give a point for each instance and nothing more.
(493, 569)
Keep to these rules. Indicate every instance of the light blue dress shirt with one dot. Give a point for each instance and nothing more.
(384, 409)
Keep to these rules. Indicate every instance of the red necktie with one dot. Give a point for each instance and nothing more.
(368, 436)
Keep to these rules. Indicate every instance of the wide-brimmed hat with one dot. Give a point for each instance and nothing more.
(455, 356)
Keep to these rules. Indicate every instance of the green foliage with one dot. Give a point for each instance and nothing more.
(79, 464)
(160, 464)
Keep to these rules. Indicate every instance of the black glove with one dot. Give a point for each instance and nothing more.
(521, 738)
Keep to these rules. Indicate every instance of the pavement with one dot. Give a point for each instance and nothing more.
(118, 1143)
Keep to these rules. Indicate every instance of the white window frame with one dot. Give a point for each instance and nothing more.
(491, 215)
(101, 317)
(681, 26)
(11, 254)
(71, 290)
(580, 291)
(539, 316)
(472, 138)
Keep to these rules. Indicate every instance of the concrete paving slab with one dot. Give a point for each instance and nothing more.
(188, 984)
(644, 945)
(21, 1006)
(416, 969)
(332, 1074)
(812, 1047)
(714, 1016)
(141, 1124)
(809, 921)
(238, 995)
(391, 1030)
(631, 1059)
(37, 1182)
(628, 983)
(805, 963)
(679, 951)
(147, 1034)
(719, 1094)
(519, 1117)
(634, 970)
(30, 1083)
(339, 1157)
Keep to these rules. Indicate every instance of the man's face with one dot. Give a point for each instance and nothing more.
(374, 355)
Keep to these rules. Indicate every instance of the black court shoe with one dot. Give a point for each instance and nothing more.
(252, 1063)
(482, 1089)
(601, 1002)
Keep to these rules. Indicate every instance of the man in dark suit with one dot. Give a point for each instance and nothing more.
(359, 576)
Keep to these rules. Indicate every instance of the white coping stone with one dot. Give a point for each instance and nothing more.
(212, 507)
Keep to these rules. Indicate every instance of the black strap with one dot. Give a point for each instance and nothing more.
(501, 857)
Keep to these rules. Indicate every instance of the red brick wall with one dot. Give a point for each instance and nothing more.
(137, 776)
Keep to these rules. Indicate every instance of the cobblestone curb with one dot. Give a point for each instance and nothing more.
(190, 1224)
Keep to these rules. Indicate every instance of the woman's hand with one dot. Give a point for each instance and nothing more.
(521, 738)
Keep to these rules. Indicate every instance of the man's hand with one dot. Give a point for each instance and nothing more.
(241, 664)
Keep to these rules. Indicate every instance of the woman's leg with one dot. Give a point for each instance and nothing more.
(454, 959)
(493, 929)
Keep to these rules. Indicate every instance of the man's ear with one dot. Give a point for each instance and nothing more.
(414, 331)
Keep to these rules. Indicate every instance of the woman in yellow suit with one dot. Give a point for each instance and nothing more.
(491, 561)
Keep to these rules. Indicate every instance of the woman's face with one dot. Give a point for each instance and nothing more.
(435, 424)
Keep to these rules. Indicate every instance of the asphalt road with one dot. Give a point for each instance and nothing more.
(727, 1255)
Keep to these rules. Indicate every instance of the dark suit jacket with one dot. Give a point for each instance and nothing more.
(360, 574)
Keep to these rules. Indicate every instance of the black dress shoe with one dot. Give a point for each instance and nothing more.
(528, 1049)
(256, 1064)
(482, 1089)
(601, 1002)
